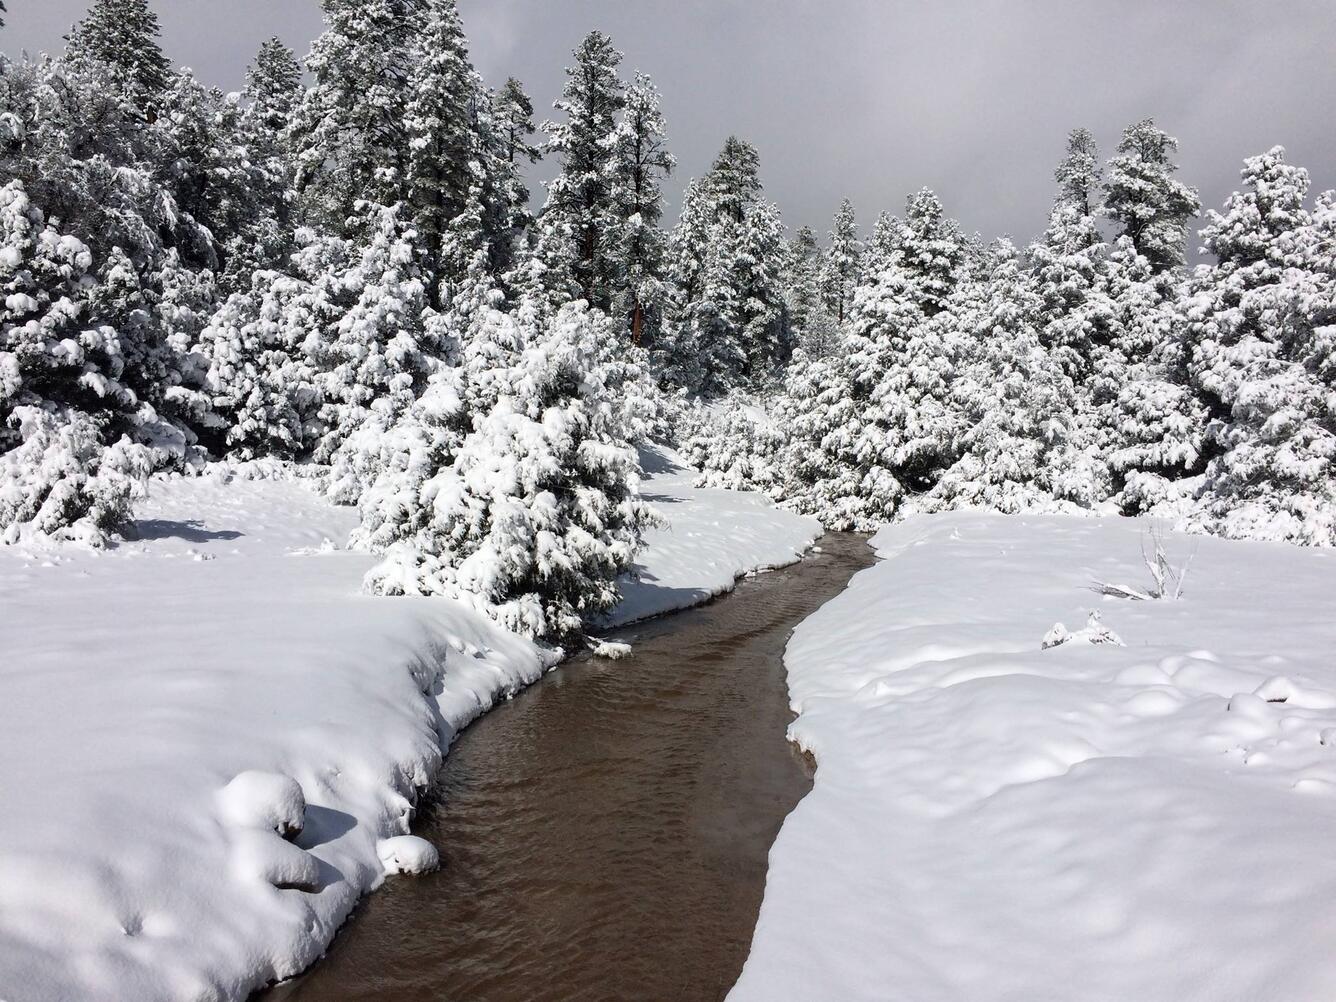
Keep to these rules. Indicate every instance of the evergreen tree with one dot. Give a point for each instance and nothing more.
(728, 259)
(273, 94)
(61, 390)
(882, 249)
(580, 219)
(1146, 201)
(443, 171)
(640, 158)
(50, 356)
(274, 87)
(1153, 427)
(1259, 330)
(348, 135)
(814, 329)
(1078, 175)
(1020, 445)
(840, 266)
(1068, 266)
(377, 356)
(514, 116)
(123, 36)
(538, 514)
(931, 251)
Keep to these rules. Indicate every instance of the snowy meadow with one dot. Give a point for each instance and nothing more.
(321, 432)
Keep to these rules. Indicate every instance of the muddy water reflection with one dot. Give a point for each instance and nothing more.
(604, 836)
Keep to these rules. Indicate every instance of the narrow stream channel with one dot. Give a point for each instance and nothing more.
(605, 834)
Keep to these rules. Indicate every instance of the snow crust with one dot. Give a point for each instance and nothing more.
(991, 821)
(171, 707)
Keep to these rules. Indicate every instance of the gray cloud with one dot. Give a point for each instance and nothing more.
(872, 100)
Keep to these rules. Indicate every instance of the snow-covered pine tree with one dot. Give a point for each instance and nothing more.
(442, 167)
(80, 146)
(802, 279)
(274, 87)
(1079, 175)
(677, 354)
(841, 263)
(1260, 334)
(272, 95)
(62, 483)
(814, 329)
(60, 390)
(640, 159)
(1153, 429)
(580, 220)
(728, 258)
(49, 358)
(818, 474)
(1144, 199)
(377, 358)
(756, 266)
(931, 251)
(539, 514)
(1076, 325)
(904, 364)
(260, 376)
(512, 120)
(882, 248)
(735, 445)
(348, 135)
(228, 194)
(1020, 444)
(513, 112)
(123, 36)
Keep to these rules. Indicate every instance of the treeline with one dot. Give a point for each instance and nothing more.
(347, 273)
(340, 272)
(1090, 371)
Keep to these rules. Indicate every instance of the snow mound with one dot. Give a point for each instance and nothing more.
(263, 855)
(991, 822)
(255, 799)
(407, 854)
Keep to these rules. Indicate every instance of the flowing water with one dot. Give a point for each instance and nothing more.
(605, 834)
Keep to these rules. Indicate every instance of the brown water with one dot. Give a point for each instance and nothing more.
(604, 835)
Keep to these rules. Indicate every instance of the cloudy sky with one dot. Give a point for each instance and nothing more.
(871, 99)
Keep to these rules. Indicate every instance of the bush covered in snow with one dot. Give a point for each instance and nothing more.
(538, 513)
(61, 483)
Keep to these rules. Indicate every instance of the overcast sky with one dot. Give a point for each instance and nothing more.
(872, 99)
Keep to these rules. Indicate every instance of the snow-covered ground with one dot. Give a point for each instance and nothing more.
(230, 641)
(995, 822)
(708, 539)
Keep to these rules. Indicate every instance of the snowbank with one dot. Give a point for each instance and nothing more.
(209, 740)
(991, 821)
(710, 539)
